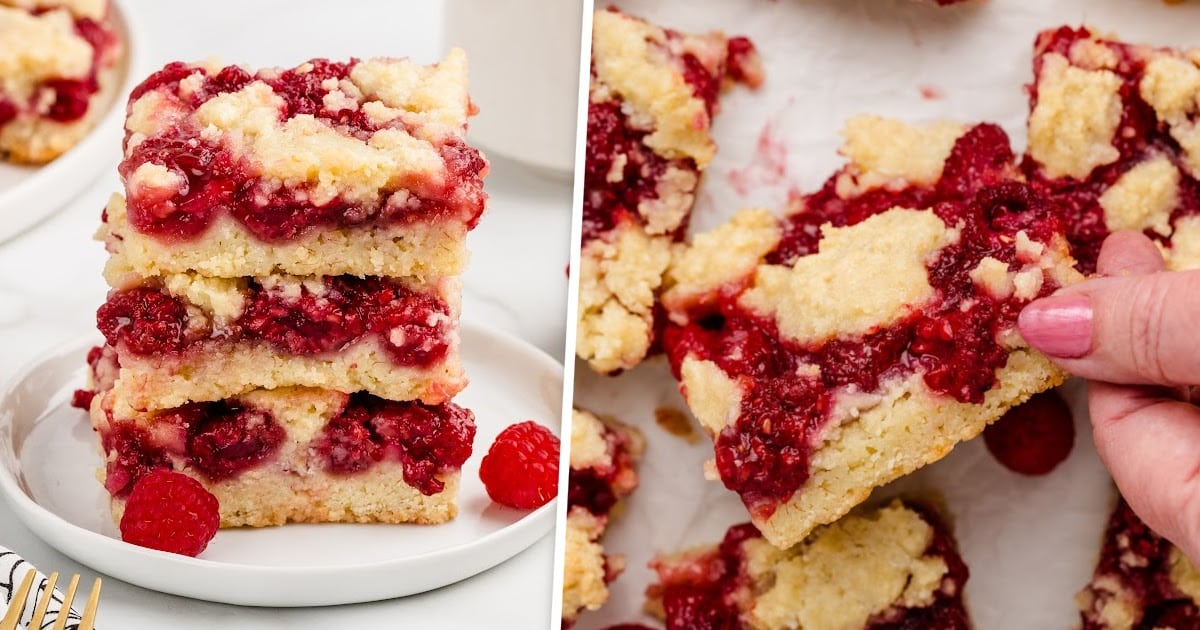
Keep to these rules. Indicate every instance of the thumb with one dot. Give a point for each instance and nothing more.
(1133, 330)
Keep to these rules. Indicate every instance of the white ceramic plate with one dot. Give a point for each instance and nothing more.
(30, 194)
(48, 461)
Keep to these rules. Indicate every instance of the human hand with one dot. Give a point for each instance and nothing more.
(1135, 335)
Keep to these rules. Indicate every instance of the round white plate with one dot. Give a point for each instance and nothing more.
(30, 194)
(48, 461)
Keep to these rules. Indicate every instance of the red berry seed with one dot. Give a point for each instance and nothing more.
(520, 470)
(1034, 437)
(170, 511)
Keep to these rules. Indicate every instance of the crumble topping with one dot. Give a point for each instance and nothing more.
(618, 280)
(584, 576)
(888, 567)
(1141, 582)
(846, 574)
(91, 9)
(303, 149)
(588, 446)
(1171, 86)
(885, 152)
(37, 48)
(1077, 114)
(1143, 197)
(864, 277)
(720, 257)
(629, 56)
(224, 299)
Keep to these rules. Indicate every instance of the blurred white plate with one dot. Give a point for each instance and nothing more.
(30, 194)
(48, 461)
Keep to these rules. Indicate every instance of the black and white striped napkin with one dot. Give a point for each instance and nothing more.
(13, 569)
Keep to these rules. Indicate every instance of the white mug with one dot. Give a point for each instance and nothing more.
(524, 71)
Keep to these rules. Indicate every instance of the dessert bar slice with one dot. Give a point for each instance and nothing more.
(296, 455)
(603, 456)
(653, 94)
(57, 65)
(872, 329)
(1142, 581)
(182, 337)
(1113, 138)
(326, 168)
(892, 567)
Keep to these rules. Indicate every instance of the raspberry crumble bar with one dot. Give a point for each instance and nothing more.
(1142, 581)
(283, 323)
(185, 337)
(653, 94)
(57, 66)
(293, 454)
(603, 456)
(870, 330)
(326, 168)
(892, 567)
(1113, 138)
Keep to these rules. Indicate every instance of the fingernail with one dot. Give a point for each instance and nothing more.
(1058, 326)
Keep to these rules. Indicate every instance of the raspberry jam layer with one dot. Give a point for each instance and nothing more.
(951, 342)
(598, 489)
(219, 182)
(224, 439)
(1138, 560)
(1140, 135)
(218, 439)
(713, 589)
(426, 440)
(416, 328)
(612, 141)
(612, 195)
(67, 98)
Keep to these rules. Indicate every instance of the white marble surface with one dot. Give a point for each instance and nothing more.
(50, 286)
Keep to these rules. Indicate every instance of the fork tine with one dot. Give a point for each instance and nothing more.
(17, 604)
(64, 611)
(43, 602)
(88, 620)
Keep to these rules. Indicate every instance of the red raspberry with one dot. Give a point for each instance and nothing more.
(1034, 437)
(521, 468)
(170, 511)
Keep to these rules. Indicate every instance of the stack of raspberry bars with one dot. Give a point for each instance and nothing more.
(283, 319)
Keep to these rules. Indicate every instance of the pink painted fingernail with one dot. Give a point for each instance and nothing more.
(1059, 326)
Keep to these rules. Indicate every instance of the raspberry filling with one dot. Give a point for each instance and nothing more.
(597, 489)
(1138, 136)
(427, 441)
(219, 439)
(710, 590)
(68, 98)
(613, 194)
(415, 328)
(223, 439)
(219, 182)
(704, 592)
(612, 141)
(951, 341)
(1139, 560)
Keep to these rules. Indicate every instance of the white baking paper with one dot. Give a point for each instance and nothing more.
(1030, 543)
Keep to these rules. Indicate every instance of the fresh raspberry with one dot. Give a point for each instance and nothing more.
(521, 468)
(170, 511)
(1034, 437)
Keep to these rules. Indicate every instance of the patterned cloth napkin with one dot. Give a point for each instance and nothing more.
(12, 572)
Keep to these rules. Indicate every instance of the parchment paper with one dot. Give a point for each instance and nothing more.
(1030, 543)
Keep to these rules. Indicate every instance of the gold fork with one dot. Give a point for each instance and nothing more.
(17, 605)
